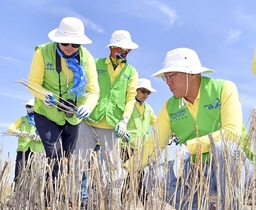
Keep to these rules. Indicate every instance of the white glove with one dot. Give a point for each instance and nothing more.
(36, 137)
(121, 127)
(49, 100)
(182, 155)
(83, 112)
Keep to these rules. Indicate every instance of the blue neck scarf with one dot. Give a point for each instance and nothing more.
(78, 88)
(31, 120)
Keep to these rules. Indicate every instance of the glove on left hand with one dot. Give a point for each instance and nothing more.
(121, 128)
(83, 112)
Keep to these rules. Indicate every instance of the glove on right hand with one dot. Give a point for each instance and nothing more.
(182, 155)
(49, 100)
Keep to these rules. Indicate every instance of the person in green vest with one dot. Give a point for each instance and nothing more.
(28, 138)
(118, 82)
(63, 72)
(199, 106)
(138, 128)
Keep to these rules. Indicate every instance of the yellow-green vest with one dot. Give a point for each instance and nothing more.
(112, 97)
(25, 143)
(186, 128)
(52, 81)
(138, 127)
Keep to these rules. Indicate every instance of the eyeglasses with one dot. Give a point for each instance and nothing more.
(167, 77)
(73, 45)
(143, 91)
(28, 106)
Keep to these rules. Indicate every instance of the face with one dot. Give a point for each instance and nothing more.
(30, 109)
(176, 82)
(120, 51)
(69, 49)
(142, 94)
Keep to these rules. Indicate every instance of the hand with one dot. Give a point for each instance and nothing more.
(182, 156)
(127, 137)
(121, 128)
(83, 112)
(49, 100)
(36, 137)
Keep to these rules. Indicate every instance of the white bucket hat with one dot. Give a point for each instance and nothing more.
(70, 30)
(182, 60)
(145, 83)
(122, 39)
(31, 102)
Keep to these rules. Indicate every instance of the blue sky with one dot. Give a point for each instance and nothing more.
(223, 33)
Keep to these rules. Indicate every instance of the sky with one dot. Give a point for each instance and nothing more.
(223, 33)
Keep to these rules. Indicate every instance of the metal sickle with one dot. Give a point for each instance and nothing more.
(58, 104)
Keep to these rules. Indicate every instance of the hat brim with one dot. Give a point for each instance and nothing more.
(152, 90)
(130, 45)
(189, 70)
(57, 37)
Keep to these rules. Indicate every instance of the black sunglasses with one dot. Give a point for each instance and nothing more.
(143, 91)
(28, 106)
(73, 45)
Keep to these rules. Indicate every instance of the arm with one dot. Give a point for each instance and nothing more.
(36, 75)
(231, 120)
(15, 127)
(130, 95)
(254, 63)
(92, 87)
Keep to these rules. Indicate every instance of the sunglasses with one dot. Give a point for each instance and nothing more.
(73, 45)
(28, 106)
(143, 91)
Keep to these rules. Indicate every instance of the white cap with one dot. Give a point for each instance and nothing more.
(145, 83)
(182, 60)
(30, 102)
(70, 30)
(122, 39)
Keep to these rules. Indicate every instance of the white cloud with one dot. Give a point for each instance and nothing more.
(233, 36)
(7, 58)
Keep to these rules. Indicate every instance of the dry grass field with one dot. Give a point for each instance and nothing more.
(105, 187)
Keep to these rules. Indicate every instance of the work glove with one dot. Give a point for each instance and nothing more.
(49, 100)
(121, 127)
(83, 112)
(127, 137)
(182, 156)
(36, 137)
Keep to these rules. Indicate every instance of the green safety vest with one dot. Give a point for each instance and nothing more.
(112, 98)
(186, 128)
(138, 127)
(53, 80)
(25, 143)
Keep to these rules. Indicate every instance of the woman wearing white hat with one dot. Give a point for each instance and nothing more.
(118, 81)
(28, 139)
(199, 106)
(63, 69)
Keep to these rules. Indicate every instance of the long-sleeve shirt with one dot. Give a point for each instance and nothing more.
(130, 93)
(231, 120)
(254, 63)
(36, 78)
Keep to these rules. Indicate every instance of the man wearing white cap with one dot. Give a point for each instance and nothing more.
(63, 71)
(118, 81)
(199, 106)
(138, 128)
(28, 139)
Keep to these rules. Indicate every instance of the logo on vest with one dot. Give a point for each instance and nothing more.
(179, 115)
(49, 66)
(128, 77)
(102, 72)
(214, 105)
